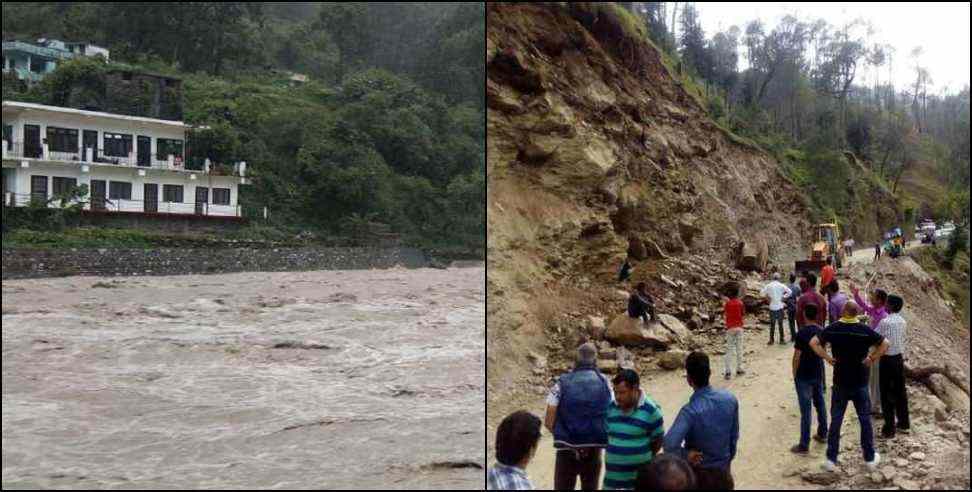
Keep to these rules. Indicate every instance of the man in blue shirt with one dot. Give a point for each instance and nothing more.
(517, 440)
(706, 430)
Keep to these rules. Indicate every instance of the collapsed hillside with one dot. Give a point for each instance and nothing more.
(595, 152)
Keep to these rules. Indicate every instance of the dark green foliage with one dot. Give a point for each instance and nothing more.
(389, 132)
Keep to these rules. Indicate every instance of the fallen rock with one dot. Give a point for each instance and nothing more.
(596, 326)
(672, 360)
(917, 456)
(752, 255)
(608, 366)
(633, 333)
(821, 478)
(676, 327)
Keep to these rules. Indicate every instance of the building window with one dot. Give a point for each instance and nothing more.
(172, 193)
(117, 145)
(221, 196)
(38, 189)
(63, 186)
(166, 147)
(62, 139)
(8, 135)
(118, 190)
(38, 65)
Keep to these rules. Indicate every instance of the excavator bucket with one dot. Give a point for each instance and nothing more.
(813, 266)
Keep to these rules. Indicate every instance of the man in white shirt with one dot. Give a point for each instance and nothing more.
(775, 292)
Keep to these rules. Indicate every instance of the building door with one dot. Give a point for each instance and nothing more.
(144, 151)
(8, 135)
(151, 198)
(202, 200)
(90, 141)
(38, 189)
(32, 142)
(99, 190)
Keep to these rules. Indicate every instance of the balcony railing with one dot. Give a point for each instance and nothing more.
(35, 50)
(20, 150)
(127, 206)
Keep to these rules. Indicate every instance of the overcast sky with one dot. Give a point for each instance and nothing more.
(942, 29)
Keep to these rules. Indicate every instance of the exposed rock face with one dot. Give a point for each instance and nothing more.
(19, 264)
(595, 153)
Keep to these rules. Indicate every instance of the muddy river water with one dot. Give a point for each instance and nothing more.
(367, 379)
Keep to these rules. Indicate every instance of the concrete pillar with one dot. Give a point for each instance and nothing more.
(89, 154)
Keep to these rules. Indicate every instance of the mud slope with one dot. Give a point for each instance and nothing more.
(595, 150)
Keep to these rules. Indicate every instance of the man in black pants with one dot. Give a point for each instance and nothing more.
(640, 304)
(894, 392)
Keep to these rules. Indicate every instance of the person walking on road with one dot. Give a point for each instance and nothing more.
(808, 376)
(517, 440)
(876, 312)
(775, 292)
(791, 302)
(894, 392)
(734, 310)
(635, 429)
(850, 341)
(706, 430)
(877, 251)
(576, 408)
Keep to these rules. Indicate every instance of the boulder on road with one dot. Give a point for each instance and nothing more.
(672, 360)
(677, 328)
(632, 332)
(752, 255)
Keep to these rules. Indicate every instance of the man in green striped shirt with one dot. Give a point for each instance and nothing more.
(635, 432)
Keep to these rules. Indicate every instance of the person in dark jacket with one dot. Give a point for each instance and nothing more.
(576, 410)
(624, 274)
(640, 304)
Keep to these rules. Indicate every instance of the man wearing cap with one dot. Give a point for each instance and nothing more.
(576, 410)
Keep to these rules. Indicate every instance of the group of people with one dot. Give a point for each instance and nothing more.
(868, 357)
(613, 423)
(617, 424)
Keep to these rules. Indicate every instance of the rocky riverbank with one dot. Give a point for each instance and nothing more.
(29, 263)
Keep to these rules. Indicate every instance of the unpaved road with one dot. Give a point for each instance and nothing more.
(769, 419)
(366, 379)
(769, 415)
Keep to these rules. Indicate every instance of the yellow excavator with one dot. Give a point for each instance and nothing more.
(825, 247)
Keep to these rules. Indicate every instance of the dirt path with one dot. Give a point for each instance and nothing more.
(770, 415)
(770, 422)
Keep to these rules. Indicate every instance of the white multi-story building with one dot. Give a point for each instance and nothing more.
(129, 164)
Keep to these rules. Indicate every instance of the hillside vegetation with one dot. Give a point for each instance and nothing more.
(389, 129)
(801, 98)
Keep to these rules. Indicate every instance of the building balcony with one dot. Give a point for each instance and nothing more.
(21, 151)
(124, 206)
(34, 50)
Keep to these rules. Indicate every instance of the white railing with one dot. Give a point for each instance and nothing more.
(19, 150)
(129, 206)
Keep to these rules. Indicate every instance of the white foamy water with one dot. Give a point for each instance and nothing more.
(286, 380)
